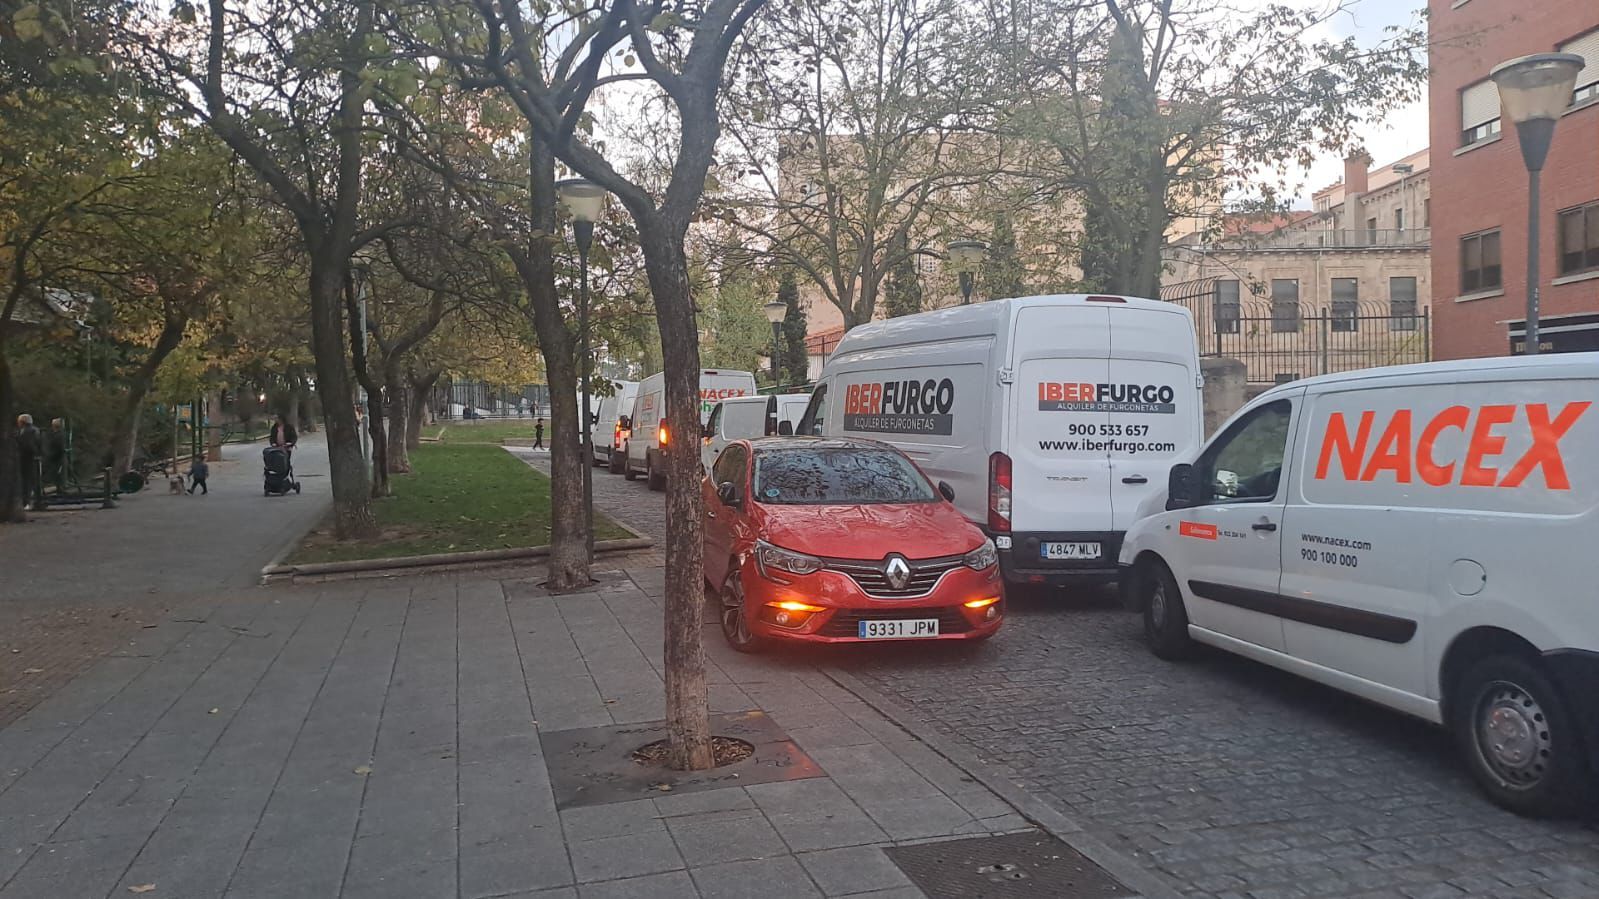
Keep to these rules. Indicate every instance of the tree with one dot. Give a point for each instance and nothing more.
(796, 355)
(902, 295)
(1002, 274)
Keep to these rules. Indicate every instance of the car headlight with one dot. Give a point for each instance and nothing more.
(983, 557)
(769, 557)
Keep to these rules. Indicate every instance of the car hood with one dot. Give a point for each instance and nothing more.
(871, 532)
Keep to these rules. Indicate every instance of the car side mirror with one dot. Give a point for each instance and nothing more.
(946, 491)
(1180, 489)
(727, 493)
(785, 429)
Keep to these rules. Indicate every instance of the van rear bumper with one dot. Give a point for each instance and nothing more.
(1023, 563)
(1575, 671)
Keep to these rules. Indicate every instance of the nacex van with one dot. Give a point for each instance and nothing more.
(1051, 417)
(1424, 537)
(650, 431)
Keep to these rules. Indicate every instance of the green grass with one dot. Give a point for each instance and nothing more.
(457, 499)
(488, 431)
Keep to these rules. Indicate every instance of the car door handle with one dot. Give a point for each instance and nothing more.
(1264, 525)
(1135, 479)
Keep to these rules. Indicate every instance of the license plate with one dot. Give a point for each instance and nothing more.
(1065, 551)
(903, 628)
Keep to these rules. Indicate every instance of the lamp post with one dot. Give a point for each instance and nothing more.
(966, 255)
(776, 311)
(363, 276)
(1534, 92)
(585, 200)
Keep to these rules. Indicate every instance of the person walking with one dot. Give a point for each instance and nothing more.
(30, 453)
(198, 472)
(283, 433)
(55, 454)
(538, 434)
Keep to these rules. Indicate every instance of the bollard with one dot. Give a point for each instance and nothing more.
(108, 503)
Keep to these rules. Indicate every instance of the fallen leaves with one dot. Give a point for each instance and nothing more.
(33, 671)
(142, 888)
(363, 770)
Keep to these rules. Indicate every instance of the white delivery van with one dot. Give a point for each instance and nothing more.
(748, 417)
(1051, 417)
(649, 406)
(610, 423)
(1423, 537)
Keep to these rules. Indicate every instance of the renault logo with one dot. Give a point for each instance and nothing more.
(898, 572)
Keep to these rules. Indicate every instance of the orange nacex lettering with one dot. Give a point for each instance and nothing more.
(1396, 452)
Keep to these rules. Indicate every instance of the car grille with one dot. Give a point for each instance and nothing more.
(845, 622)
(925, 575)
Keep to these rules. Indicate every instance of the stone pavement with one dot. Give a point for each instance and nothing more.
(382, 738)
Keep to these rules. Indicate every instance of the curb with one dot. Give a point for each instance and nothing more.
(1052, 821)
(277, 571)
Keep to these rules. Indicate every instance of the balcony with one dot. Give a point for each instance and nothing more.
(1336, 239)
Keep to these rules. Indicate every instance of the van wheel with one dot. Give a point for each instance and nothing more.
(1165, 619)
(656, 481)
(617, 462)
(627, 469)
(735, 625)
(1519, 738)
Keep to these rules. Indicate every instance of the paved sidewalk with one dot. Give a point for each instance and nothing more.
(383, 738)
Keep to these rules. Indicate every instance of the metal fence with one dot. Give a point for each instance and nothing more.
(1281, 342)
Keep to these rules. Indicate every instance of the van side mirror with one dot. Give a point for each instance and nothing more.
(625, 422)
(1181, 492)
(727, 493)
(707, 431)
(785, 429)
(946, 491)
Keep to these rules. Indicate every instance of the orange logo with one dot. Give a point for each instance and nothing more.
(1396, 452)
(1197, 529)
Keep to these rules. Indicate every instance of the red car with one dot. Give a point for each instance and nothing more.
(841, 541)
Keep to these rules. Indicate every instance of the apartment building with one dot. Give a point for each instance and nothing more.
(1479, 262)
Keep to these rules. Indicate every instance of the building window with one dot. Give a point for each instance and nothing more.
(1345, 304)
(1399, 219)
(1402, 304)
(1426, 213)
(1579, 239)
(1285, 305)
(1225, 307)
(1371, 232)
(1479, 262)
(1587, 86)
(1479, 113)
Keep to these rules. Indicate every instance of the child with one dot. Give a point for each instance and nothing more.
(198, 472)
(538, 434)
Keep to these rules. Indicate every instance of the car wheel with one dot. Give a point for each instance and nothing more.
(735, 623)
(627, 470)
(1519, 738)
(656, 481)
(1165, 619)
(617, 461)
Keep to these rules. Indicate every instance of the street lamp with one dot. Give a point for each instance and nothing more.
(363, 258)
(1534, 92)
(966, 255)
(585, 200)
(776, 311)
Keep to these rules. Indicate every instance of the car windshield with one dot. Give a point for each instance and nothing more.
(820, 477)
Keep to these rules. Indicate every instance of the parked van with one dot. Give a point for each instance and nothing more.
(749, 417)
(649, 407)
(1423, 537)
(611, 423)
(1052, 417)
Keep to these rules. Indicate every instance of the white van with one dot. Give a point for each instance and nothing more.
(1051, 417)
(1423, 537)
(747, 417)
(650, 405)
(611, 423)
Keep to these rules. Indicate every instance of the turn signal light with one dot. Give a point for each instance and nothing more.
(662, 435)
(789, 605)
(982, 603)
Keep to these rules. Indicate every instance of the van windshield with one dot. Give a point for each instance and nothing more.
(838, 477)
(743, 419)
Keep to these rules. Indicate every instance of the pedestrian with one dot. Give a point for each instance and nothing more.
(198, 472)
(55, 454)
(30, 453)
(283, 433)
(538, 434)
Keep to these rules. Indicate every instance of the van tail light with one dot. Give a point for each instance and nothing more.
(999, 493)
(662, 436)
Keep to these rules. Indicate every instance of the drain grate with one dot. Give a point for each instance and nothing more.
(1029, 865)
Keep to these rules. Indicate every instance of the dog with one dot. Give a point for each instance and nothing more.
(175, 485)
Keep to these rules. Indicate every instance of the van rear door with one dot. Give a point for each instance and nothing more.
(1154, 415)
(1059, 478)
(717, 385)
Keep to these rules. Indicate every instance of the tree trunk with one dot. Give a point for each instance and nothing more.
(352, 505)
(399, 417)
(125, 439)
(380, 443)
(419, 390)
(11, 499)
(687, 711)
(213, 428)
(292, 413)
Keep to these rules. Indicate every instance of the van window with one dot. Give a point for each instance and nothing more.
(810, 424)
(742, 419)
(1246, 463)
(715, 420)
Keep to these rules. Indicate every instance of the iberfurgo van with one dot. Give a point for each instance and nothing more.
(1052, 417)
(651, 431)
(1421, 536)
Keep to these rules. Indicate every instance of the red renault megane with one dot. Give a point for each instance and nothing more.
(839, 541)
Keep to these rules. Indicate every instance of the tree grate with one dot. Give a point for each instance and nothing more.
(1031, 865)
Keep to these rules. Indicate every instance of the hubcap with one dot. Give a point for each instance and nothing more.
(734, 625)
(1513, 734)
(1157, 606)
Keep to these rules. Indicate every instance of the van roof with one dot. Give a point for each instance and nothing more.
(1578, 364)
(979, 319)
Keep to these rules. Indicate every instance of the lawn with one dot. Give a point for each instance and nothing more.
(458, 498)
(487, 431)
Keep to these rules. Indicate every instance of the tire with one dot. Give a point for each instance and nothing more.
(734, 617)
(617, 461)
(1165, 619)
(1520, 739)
(627, 469)
(296, 488)
(656, 481)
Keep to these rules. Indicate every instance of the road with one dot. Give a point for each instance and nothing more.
(1225, 777)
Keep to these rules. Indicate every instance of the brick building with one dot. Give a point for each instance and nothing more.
(1479, 184)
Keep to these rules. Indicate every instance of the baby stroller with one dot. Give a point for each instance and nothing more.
(277, 472)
